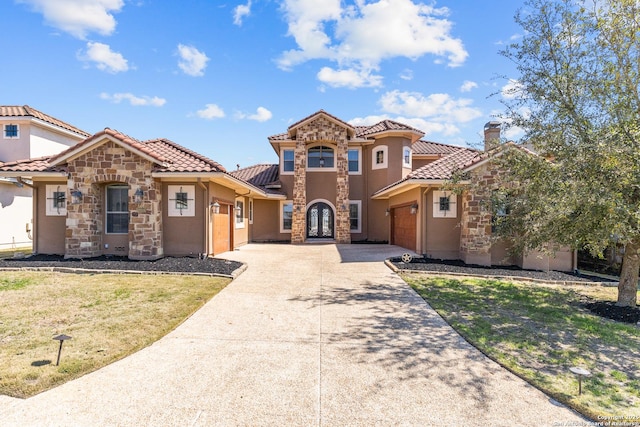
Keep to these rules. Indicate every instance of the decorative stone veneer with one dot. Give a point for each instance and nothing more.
(321, 130)
(90, 173)
(475, 233)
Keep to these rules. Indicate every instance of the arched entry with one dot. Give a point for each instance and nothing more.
(320, 220)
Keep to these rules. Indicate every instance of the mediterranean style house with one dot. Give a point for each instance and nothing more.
(113, 195)
(26, 133)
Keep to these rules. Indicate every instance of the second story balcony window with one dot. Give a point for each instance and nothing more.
(320, 157)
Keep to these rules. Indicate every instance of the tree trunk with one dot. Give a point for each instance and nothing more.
(628, 286)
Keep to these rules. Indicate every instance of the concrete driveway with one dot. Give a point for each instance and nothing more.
(311, 335)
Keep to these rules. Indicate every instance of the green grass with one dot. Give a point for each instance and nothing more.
(107, 316)
(539, 332)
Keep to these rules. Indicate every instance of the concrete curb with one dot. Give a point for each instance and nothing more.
(233, 275)
(489, 276)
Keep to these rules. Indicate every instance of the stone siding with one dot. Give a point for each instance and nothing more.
(90, 173)
(321, 130)
(475, 233)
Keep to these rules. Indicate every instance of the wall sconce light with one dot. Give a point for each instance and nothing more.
(216, 207)
(387, 212)
(414, 208)
(76, 197)
(137, 196)
(321, 162)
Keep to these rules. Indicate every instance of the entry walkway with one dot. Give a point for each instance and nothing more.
(310, 335)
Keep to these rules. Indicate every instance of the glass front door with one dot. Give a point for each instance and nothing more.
(320, 221)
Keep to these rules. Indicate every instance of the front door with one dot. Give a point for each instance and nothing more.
(320, 221)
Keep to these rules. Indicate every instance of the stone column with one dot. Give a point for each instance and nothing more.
(343, 225)
(299, 218)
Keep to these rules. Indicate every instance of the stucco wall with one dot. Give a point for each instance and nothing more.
(15, 213)
(184, 235)
(442, 235)
(49, 230)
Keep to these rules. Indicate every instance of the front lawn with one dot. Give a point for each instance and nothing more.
(539, 332)
(108, 316)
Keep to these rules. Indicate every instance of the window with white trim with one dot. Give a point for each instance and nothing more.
(117, 209)
(406, 157)
(239, 213)
(56, 200)
(181, 200)
(11, 131)
(353, 156)
(288, 161)
(355, 216)
(379, 158)
(445, 204)
(286, 216)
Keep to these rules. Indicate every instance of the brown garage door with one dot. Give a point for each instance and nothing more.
(403, 227)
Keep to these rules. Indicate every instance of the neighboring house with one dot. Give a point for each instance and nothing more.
(26, 133)
(334, 182)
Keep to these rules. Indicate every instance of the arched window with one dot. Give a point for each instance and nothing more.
(320, 157)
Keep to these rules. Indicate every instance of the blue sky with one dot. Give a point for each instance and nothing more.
(219, 77)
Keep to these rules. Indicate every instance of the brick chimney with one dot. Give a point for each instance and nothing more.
(491, 135)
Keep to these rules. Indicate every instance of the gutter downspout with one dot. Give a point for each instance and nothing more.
(207, 218)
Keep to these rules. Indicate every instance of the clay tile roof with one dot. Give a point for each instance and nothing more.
(441, 169)
(444, 167)
(261, 176)
(385, 125)
(429, 147)
(40, 164)
(26, 111)
(279, 137)
(177, 158)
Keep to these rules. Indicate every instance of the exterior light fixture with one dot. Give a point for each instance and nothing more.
(321, 162)
(216, 207)
(76, 197)
(414, 208)
(387, 212)
(137, 197)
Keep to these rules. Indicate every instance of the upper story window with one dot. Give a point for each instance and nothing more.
(406, 157)
(11, 131)
(444, 204)
(379, 158)
(288, 157)
(320, 157)
(354, 160)
(181, 200)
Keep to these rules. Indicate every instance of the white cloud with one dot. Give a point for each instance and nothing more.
(411, 30)
(192, 61)
(437, 105)
(406, 74)
(350, 78)
(261, 115)
(513, 89)
(79, 17)
(104, 58)
(136, 101)
(468, 86)
(435, 113)
(240, 12)
(210, 112)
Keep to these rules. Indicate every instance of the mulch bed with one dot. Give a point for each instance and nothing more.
(604, 309)
(167, 264)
